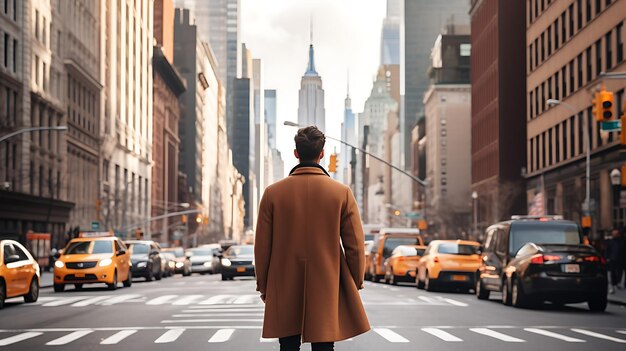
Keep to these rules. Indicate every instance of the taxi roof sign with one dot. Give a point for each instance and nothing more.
(95, 234)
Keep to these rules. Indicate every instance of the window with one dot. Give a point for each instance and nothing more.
(580, 71)
(465, 49)
(588, 11)
(608, 50)
(536, 52)
(537, 152)
(549, 43)
(14, 55)
(37, 24)
(563, 27)
(564, 130)
(532, 155)
(598, 6)
(571, 76)
(598, 56)
(550, 147)
(6, 7)
(572, 139)
(6, 50)
(105, 170)
(501, 242)
(620, 43)
(543, 97)
(581, 137)
(543, 47)
(564, 81)
(579, 13)
(36, 70)
(557, 144)
(556, 35)
(549, 87)
(536, 102)
(570, 15)
(556, 86)
(532, 97)
(588, 54)
(543, 150)
(44, 33)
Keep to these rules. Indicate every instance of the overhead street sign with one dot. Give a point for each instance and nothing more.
(611, 126)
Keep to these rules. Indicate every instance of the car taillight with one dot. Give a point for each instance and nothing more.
(552, 257)
(436, 259)
(537, 259)
(541, 259)
(602, 260)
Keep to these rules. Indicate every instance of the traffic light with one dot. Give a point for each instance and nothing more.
(332, 165)
(183, 219)
(603, 105)
(586, 222)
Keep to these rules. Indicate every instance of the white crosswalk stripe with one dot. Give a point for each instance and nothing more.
(64, 340)
(169, 336)
(599, 336)
(187, 300)
(390, 335)
(120, 299)
(90, 301)
(161, 300)
(64, 301)
(496, 335)
(222, 335)
(552, 335)
(217, 299)
(117, 337)
(441, 334)
(262, 339)
(17, 338)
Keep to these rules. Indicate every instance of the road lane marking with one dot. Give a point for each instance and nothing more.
(225, 306)
(443, 335)
(218, 315)
(64, 301)
(64, 340)
(430, 300)
(622, 331)
(187, 300)
(246, 299)
(599, 336)
(17, 338)
(455, 302)
(553, 335)
(211, 320)
(390, 335)
(262, 339)
(161, 300)
(118, 299)
(222, 335)
(117, 337)
(496, 335)
(169, 336)
(217, 299)
(90, 301)
(219, 310)
(43, 299)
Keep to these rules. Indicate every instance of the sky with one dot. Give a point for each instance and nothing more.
(346, 37)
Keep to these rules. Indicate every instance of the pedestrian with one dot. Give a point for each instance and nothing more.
(615, 258)
(310, 254)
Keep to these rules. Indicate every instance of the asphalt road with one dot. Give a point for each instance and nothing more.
(202, 312)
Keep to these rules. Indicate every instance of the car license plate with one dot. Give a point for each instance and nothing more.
(459, 278)
(241, 269)
(570, 268)
(80, 275)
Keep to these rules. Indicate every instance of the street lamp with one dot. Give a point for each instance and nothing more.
(554, 102)
(474, 205)
(32, 129)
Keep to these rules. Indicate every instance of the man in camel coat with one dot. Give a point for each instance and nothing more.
(310, 255)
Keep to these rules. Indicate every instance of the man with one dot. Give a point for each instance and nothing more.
(310, 255)
(615, 258)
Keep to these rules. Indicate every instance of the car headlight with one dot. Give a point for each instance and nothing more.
(179, 265)
(171, 264)
(226, 262)
(207, 264)
(142, 264)
(59, 264)
(105, 262)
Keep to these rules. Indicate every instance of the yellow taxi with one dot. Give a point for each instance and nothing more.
(402, 265)
(93, 258)
(449, 263)
(388, 240)
(19, 272)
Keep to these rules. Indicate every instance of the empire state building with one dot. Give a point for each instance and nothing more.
(311, 101)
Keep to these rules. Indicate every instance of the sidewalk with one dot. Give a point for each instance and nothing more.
(46, 280)
(619, 298)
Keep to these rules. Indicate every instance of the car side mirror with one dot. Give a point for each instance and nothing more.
(120, 252)
(11, 259)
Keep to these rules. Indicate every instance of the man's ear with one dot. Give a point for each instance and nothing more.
(295, 153)
(322, 154)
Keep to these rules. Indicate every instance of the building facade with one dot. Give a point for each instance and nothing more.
(390, 35)
(568, 44)
(498, 109)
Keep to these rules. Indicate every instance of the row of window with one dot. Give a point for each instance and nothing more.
(567, 139)
(41, 32)
(10, 51)
(126, 189)
(602, 56)
(8, 113)
(40, 185)
(10, 9)
(561, 30)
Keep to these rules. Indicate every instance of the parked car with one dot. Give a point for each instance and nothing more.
(146, 258)
(369, 244)
(169, 263)
(504, 239)
(19, 273)
(93, 259)
(238, 261)
(216, 263)
(202, 258)
(389, 239)
(402, 265)
(557, 273)
(448, 263)
(182, 263)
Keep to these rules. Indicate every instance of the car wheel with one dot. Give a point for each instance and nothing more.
(59, 287)
(3, 294)
(33, 292)
(224, 277)
(159, 275)
(129, 281)
(597, 303)
(429, 284)
(481, 292)
(78, 286)
(506, 292)
(113, 286)
(519, 298)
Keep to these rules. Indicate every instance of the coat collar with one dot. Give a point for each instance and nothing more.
(308, 168)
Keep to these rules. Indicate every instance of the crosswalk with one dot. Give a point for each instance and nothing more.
(212, 300)
(224, 334)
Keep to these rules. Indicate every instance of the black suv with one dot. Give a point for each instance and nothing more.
(504, 239)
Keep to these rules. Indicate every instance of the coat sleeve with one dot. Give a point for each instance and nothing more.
(263, 243)
(352, 239)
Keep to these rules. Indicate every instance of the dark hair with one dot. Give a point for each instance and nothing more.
(309, 143)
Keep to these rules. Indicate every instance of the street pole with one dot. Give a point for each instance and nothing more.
(475, 208)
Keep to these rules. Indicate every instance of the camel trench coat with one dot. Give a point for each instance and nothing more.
(311, 284)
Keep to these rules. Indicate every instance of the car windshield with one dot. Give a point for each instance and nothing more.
(201, 252)
(543, 233)
(89, 247)
(168, 256)
(369, 237)
(139, 248)
(391, 243)
(178, 252)
(240, 251)
(457, 249)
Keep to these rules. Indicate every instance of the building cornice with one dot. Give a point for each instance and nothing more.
(74, 67)
(168, 72)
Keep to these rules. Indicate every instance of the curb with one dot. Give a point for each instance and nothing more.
(617, 302)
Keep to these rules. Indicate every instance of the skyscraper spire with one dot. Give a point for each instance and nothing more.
(310, 70)
(348, 101)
